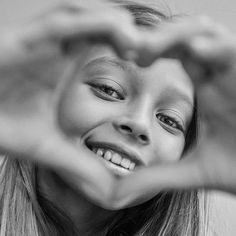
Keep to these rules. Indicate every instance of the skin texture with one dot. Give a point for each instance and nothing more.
(35, 68)
(154, 102)
(146, 93)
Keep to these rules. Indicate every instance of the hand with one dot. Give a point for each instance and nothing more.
(208, 53)
(35, 65)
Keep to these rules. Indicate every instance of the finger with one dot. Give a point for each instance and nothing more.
(88, 26)
(79, 167)
(105, 29)
(219, 52)
(150, 181)
(74, 7)
(173, 38)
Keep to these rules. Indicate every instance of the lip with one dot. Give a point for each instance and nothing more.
(120, 149)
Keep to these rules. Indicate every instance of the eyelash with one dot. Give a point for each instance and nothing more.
(108, 91)
(170, 121)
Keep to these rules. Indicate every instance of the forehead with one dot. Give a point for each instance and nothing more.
(165, 76)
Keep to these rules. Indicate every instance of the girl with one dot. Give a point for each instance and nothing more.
(129, 117)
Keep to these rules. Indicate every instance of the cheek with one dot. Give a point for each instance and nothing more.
(80, 110)
(168, 147)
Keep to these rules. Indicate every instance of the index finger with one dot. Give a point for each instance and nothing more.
(172, 39)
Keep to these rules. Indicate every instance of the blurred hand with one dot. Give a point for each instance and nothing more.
(208, 53)
(35, 64)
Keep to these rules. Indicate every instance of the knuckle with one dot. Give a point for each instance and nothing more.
(209, 25)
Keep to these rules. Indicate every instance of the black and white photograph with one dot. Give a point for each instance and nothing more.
(117, 118)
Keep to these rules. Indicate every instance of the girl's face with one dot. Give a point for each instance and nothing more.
(130, 117)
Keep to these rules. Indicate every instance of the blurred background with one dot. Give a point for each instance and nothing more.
(222, 206)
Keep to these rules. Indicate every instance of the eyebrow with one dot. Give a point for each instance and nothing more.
(176, 94)
(107, 61)
(170, 92)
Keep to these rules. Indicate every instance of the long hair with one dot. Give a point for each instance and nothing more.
(24, 210)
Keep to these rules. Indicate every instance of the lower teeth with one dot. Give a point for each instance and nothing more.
(118, 165)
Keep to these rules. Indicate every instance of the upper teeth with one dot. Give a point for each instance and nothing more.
(114, 157)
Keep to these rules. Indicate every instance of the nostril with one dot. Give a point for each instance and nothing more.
(133, 130)
(143, 138)
(126, 128)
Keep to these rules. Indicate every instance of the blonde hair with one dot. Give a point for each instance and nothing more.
(23, 213)
(19, 208)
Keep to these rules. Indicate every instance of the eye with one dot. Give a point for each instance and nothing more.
(170, 121)
(108, 91)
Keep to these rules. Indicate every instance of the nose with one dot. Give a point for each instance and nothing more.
(136, 129)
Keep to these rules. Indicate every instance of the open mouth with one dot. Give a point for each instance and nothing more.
(117, 160)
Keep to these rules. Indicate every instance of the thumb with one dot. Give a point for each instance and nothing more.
(78, 166)
(149, 181)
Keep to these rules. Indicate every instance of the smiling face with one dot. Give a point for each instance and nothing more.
(128, 116)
